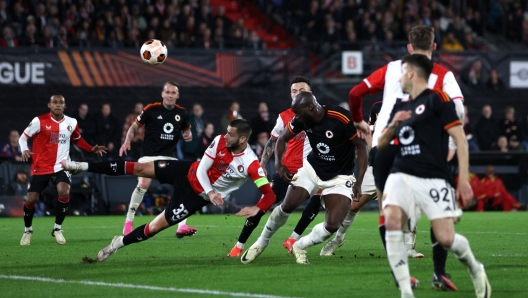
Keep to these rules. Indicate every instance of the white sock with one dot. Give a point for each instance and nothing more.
(276, 220)
(460, 248)
(318, 235)
(239, 245)
(120, 243)
(182, 223)
(135, 200)
(84, 166)
(398, 260)
(28, 229)
(347, 222)
(294, 236)
(57, 226)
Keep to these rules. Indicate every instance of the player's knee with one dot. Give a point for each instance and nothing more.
(142, 186)
(445, 239)
(31, 200)
(64, 193)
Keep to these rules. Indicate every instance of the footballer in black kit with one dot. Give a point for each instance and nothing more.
(163, 130)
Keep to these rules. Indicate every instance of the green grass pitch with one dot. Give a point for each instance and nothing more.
(198, 267)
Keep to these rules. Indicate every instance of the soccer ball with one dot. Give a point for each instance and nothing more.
(153, 52)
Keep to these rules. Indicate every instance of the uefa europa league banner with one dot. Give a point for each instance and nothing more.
(89, 68)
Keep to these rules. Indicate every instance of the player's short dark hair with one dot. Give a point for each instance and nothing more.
(301, 79)
(421, 37)
(420, 63)
(58, 94)
(242, 126)
(172, 83)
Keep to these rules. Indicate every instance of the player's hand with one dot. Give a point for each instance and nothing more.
(464, 193)
(124, 148)
(187, 135)
(285, 174)
(357, 192)
(248, 211)
(215, 198)
(99, 149)
(363, 130)
(26, 155)
(399, 117)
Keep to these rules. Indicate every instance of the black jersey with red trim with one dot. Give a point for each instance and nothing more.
(163, 128)
(331, 141)
(422, 139)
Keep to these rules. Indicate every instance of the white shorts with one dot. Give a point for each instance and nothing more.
(153, 158)
(434, 197)
(308, 179)
(368, 187)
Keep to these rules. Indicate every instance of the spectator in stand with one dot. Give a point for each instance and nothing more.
(86, 123)
(468, 130)
(10, 151)
(19, 185)
(473, 75)
(205, 139)
(260, 123)
(231, 114)
(524, 132)
(137, 140)
(497, 193)
(107, 130)
(505, 147)
(494, 82)
(8, 40)
(451, 43)
(457, 27)
(508, 126)
(486, 129)
(197, 122)
(479, 192)
(253, 41)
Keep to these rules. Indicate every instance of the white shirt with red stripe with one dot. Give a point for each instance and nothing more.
(51, 142)
(387, 79)
(298, 147)
(228, 171)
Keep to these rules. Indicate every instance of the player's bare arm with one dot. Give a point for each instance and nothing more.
(280, 149)
(388, 134)
(187, 135)
(464, 192)
(362, 164)
(129, 136)
(99, 149)
(363, 129)
(269, 150)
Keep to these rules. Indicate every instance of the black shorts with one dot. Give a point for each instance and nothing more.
(38, 183)
(185, 201)
(381, 168)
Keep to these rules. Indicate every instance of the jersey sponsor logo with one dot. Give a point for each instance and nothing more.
(177, 118)
(167, 128)
(159, 117)
(70, 128)
(329, 134)
(162, 164)
(260, 171)
(240, 168)
(406, 135)
(58, 138)
(300, 136)
(212, 144)
(323, 148)
(419, 109)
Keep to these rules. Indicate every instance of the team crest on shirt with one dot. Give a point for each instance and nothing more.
(419, 109)
(212, 145)
(240, 168)
(177, 118)
(162, 164)
(70, 128)
(329, 134)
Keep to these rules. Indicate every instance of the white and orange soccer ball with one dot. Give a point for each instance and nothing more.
(153, 52)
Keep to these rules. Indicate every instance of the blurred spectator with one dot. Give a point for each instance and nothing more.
(18, 186)
(10, 151)
(206, 138)
(253, 41)
(457, 27)
(137, 140)
(504, 146)
(494, 82)
(260, 123)
(197, 122)
(262, 138)
(486, 129)
(479, 192)
(524, 132)
(497, 193)
(8, 40)
(508, 126)
(451, 43)
(86, 123)
(468, 130)
(107, 130)
(473, 75)
(231, 114)
(4, 14)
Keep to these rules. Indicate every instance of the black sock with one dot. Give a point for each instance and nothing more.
(138, 235)
(382, 234)
(114, 168)
(61, 209)
(439, 256)
(309, 214)
(249, 227)
(28, 215)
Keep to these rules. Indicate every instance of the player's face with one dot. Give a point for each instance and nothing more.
(232, 138)
(296, 88)
(305, 115)
(170, 94)
(57, 105)
(405, 81)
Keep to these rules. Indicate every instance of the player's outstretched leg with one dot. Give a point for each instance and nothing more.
(440, 280)
(410, 245)
(249, 226)
(308, 215)
(184, 230)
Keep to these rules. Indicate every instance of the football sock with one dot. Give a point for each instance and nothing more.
(439, 256)
(61, 209)
(276, 220)
(460, 248)
(347, 222)
(182, 223)
(249, 227)
(113, 168)
(28, 229)
(381, 227)
(309, 214)
(29, 211)
(318, 235)
(240, 244)
(135, 200)
(398, 260)
(139, 234)
(294, 235)
(410, 239)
